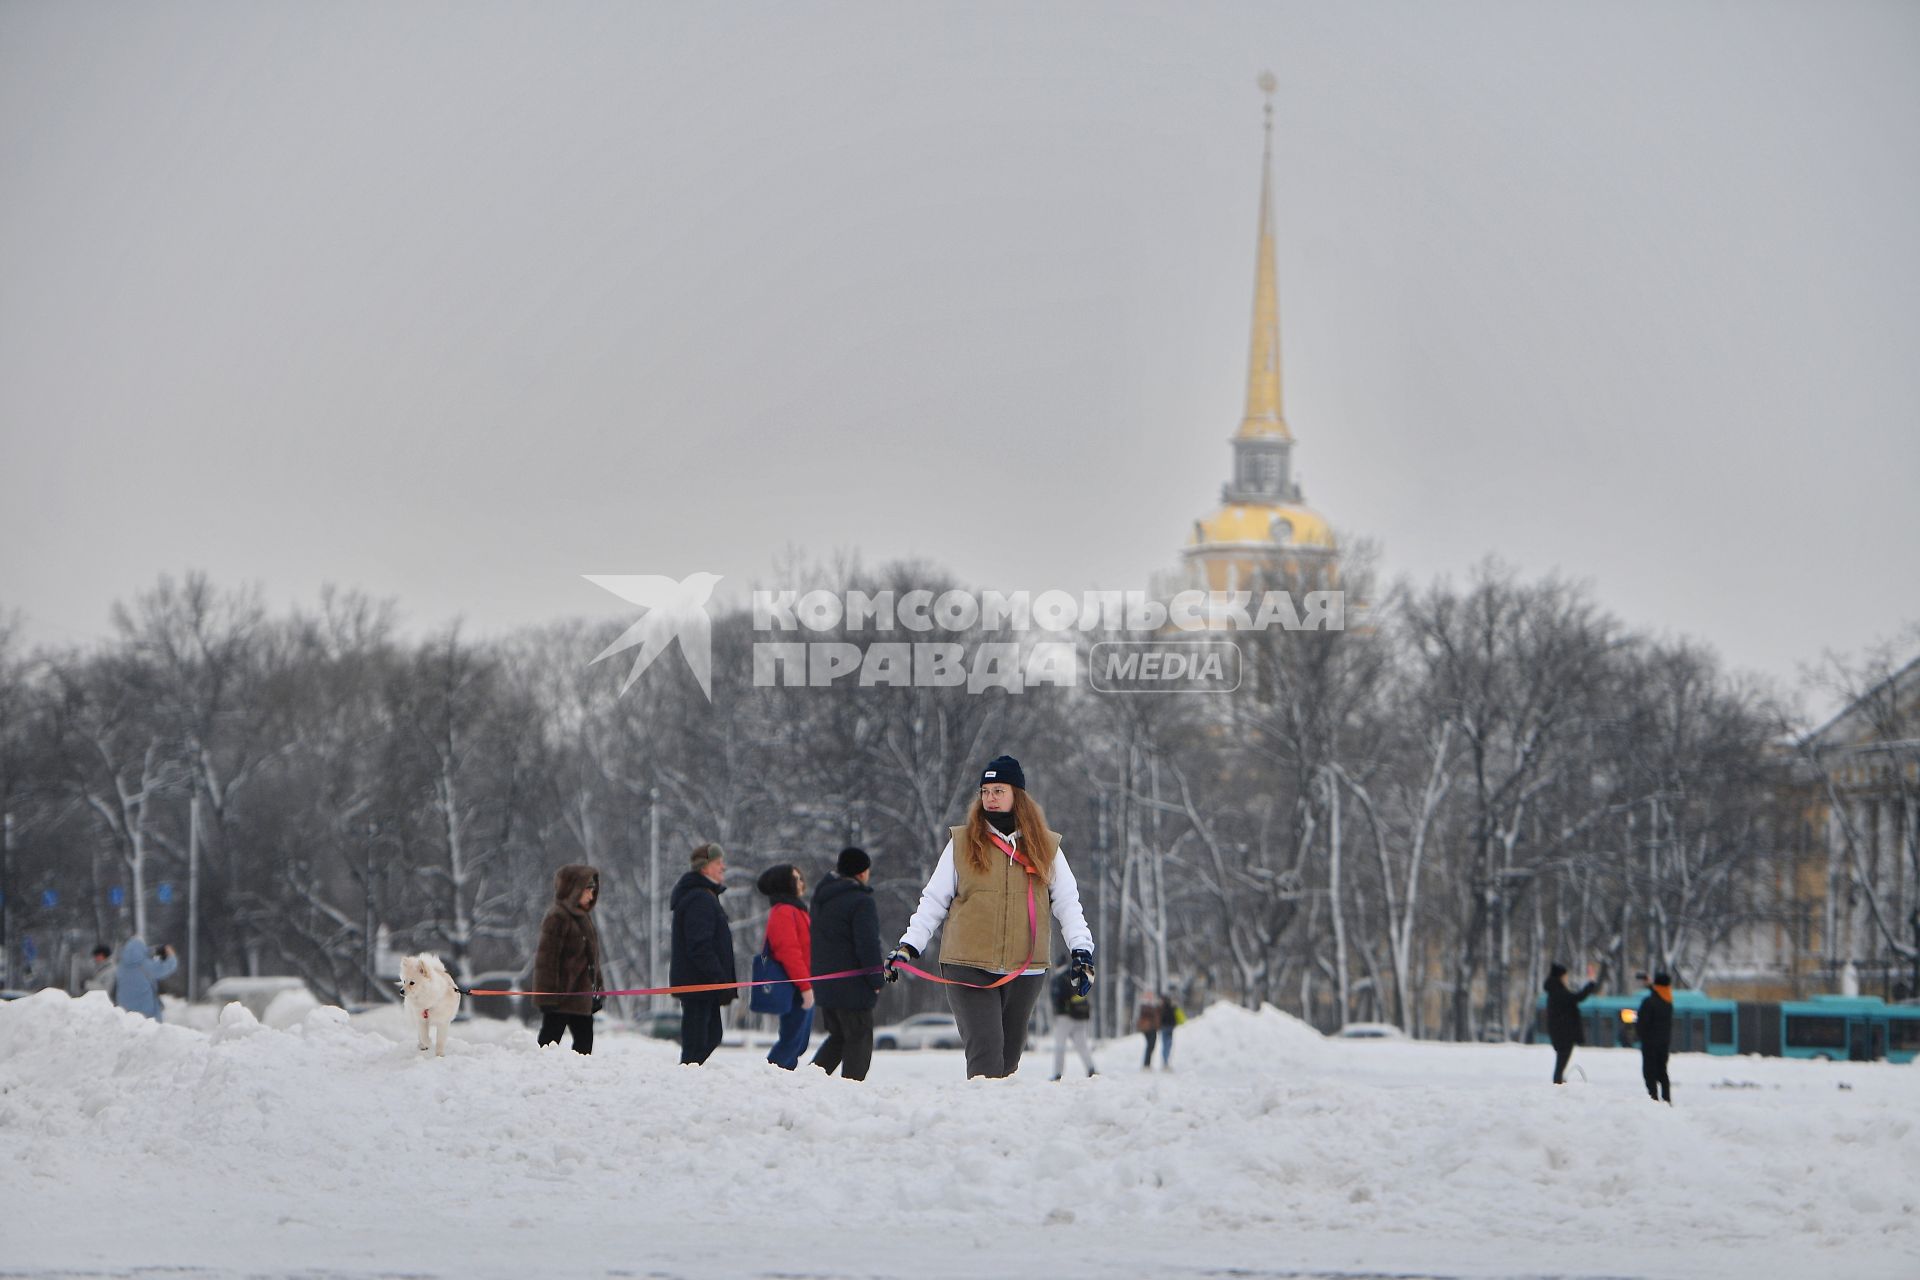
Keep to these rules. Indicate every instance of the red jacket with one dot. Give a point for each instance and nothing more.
(790, 938)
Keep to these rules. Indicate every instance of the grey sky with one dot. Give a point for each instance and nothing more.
(456, 304)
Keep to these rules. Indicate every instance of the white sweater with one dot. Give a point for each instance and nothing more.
(937, 898)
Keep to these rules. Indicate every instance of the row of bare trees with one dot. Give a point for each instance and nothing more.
(1406, 820)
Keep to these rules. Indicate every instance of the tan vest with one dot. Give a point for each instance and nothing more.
(986, 926)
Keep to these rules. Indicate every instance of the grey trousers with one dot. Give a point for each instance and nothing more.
(1074, 1029)
(993, 1024)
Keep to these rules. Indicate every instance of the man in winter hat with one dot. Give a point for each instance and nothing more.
(846, 935)
(1564, 1027)
(702, 952)
(1654, 1026)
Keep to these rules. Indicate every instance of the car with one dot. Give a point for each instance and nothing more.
(519, 1008)
(1370, 1031)
(921, 1031)
(662, 1024)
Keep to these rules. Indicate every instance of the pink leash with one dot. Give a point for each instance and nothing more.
(1033, 939)
(1033, 931)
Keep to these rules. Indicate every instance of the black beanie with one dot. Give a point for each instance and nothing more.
(853, 861)
(1004, 769)
(779, 880)
(1558, 971)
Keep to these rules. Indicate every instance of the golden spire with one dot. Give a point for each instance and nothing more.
(1264, 417)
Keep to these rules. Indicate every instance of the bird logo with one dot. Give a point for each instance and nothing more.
(674, 609)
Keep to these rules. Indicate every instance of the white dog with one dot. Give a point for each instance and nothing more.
(432, 998)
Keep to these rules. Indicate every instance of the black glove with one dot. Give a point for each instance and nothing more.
(1082, 972)
(894, 957)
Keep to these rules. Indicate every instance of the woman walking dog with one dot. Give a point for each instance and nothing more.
(566, 964)
(1000, 883)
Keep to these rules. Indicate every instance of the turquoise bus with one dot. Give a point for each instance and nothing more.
(1837, 1028)
(1701, 1024)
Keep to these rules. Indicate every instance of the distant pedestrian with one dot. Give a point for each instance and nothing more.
(998, 886)
(790, 940)
(1171, 1016)
(1147, 1023)
(1654, 1027)
(101, 979)
(140, 973)
(567, 960)
(702, 953)
(1072, 1014)
(1564, 1026)
(1158, 1017)
(846, 935)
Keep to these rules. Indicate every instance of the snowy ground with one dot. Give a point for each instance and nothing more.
(329, 1150)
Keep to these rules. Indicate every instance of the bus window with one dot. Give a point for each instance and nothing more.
(1807, 1032)
(1720, 1027)
(1903, 1033)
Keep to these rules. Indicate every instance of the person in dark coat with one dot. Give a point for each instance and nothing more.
(568, 959)
(1654, 1027)
(702, 952)
(1148, 1025)
(1564, 1026)
(1170, 1017)
(846, 935)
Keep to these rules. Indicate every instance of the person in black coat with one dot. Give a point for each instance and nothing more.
(702, 952)
(846, 935)
(1654, 1027)
(1564, 1027)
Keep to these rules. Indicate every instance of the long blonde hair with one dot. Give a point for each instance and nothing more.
(1036, 846)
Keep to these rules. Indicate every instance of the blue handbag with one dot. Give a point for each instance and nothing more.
(777, 998)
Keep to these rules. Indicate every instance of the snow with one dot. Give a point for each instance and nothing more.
(333, 1148)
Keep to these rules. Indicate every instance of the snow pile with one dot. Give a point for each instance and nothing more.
(289, 1009)
(327, 1148)
(1230, 1039)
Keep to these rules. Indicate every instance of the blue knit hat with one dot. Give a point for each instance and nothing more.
(1004, 769)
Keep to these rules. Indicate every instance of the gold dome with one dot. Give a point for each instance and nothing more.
(1244, 523)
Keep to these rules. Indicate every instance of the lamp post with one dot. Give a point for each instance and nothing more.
(6, 899)
(653, 891)
(1102, 847)
(193, 895)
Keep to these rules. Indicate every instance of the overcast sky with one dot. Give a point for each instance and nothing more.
(455, 304)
